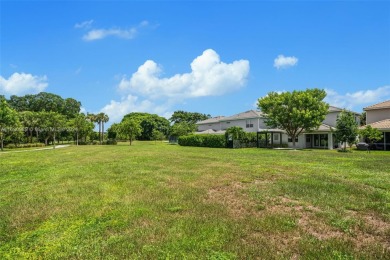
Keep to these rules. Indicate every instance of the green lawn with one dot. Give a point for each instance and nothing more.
(170, 202)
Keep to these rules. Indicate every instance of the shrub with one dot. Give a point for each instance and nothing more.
(11, 146)
(27, 145)
(214, 141)
(110, 142)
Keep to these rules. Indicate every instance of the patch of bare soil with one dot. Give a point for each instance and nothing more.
(231, 196)
(373, 232)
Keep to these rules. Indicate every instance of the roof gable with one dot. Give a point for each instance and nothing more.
(337, 109)
(244, 115)
(381, 105)
(210, 120)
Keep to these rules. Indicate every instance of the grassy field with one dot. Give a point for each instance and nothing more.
(160, 201)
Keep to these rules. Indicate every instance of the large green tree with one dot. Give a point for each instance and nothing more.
(44, 101)
(51, 123)
(346, 128)
(182, 128)
(8, 120)
(81, 126)
(180, 116)
(148, 123)
(130, 128)
(30, 121)
(295, 111)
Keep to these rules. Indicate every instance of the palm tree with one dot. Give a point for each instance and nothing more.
(105, 119)
(92, 118)
(98, 119)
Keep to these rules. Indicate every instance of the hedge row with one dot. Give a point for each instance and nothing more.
(214, 141)
(28, 145)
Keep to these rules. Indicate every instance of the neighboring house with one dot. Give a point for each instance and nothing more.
(378, 116)
(323, 137)
(254, 121)
(211, 123)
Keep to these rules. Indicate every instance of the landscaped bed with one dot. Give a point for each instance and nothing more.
(154, 200)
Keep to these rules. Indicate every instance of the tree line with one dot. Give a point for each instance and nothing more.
(47, 117)
(145, 126)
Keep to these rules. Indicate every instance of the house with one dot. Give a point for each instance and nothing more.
(211, 123)
(254, 121)
(378, 116)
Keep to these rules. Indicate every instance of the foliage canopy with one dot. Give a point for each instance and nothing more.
(296, 111)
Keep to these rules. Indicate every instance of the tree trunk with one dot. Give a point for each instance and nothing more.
(77, 138)
(293, 139)
(54, 140)
(2, 143)
(100, 130)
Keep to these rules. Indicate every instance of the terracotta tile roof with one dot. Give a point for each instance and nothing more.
(210, 120)
(381, 125)
(384, 104)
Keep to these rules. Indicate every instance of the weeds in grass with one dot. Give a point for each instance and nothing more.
(167, 201)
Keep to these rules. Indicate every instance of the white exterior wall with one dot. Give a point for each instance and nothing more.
(300, 144)
(331, 118)
(241, 123)
(261, 123)
(377, 115)
(215, 126)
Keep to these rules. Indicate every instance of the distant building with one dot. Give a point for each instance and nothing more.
(254, 121)
(378, 116)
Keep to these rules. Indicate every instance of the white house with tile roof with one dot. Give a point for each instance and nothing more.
(378, 116)
(254, 121)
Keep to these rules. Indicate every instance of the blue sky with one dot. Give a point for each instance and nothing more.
(214, 57)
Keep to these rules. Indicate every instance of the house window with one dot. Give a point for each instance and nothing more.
(290, 139)
(249, 124)
(276, 137)
(227, 122)
(320, 140)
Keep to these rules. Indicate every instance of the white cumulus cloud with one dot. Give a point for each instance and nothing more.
(117, 109)
(98, 34)
(209, 76)
(85, 24)
(282, 62)
(147, 91)
(22, 83)
(357, 99)
(103, 33)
